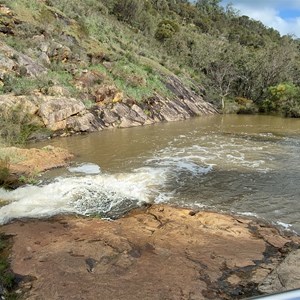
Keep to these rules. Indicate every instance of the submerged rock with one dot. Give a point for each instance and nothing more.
(158, 252)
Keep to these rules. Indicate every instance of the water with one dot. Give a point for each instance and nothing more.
(246, 165)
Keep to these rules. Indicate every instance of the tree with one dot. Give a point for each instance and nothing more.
(209, 6)
(283, 98)
(128, 10)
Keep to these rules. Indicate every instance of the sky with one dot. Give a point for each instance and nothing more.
(283, 15)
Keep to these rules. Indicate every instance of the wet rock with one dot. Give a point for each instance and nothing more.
(285, 277)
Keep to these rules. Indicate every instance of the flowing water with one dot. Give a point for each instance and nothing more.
(246, 165)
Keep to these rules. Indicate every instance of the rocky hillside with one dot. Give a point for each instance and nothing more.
(56, 79)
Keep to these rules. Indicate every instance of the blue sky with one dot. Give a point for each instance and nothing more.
(283, 15)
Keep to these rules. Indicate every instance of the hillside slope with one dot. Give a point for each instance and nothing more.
(86, 65)
(60, 78)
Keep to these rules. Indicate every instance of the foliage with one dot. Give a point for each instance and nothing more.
(16, 125)
(166, 29)
(21, 85)
(230, 54)
(4, 169)
(283, 98)
(137, 81)
(128, 10)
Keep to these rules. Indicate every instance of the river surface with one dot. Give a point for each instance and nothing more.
(247, 165)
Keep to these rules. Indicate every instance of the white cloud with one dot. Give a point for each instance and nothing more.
(268, 12)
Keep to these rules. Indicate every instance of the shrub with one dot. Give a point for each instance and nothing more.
(283, 98)
(128, 10)
(16, 125)
(20, 85)
(4, 170)
(166, 29)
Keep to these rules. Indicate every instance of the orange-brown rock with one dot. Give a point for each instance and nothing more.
(159, 252)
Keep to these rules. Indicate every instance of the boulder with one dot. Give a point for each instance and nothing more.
(57, 90)
(27, 104)
(139, 112)
(84, 123)
(121, 109)
(11, 60)
(129, 117)
(44, 59)
(105, 94)
(55, 110)
(109, 117)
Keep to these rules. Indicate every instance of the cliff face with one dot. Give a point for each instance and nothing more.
(156, 253)
(68, 82)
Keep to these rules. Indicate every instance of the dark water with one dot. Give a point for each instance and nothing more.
(241, 164)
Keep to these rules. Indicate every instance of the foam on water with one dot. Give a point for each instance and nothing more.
(86, 169)
(185, 170)
(98, 194)
(104, 194)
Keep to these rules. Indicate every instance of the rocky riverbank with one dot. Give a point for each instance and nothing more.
(67, 85)
(62, 115)
(158, 252)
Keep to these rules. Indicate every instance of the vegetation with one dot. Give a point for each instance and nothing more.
(283, 98)
(4, 170)
(16, 125)
(135, 44)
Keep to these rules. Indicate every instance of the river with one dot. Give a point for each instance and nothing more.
(246, 165)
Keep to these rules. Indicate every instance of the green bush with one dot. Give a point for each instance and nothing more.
(166, 29)
(16, 125)
(20, 85)
(283, 98)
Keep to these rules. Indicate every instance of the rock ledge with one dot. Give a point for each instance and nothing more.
(159, 252)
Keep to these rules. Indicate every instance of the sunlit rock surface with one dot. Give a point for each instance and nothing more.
(159, 252)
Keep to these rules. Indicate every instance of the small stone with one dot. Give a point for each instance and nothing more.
(192, 213)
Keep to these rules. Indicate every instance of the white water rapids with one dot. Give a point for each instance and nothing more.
(243, 165)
